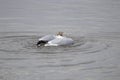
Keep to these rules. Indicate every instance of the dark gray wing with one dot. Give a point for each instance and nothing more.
(47, 38)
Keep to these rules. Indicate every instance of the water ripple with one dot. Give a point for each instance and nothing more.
(67, 64)
(26, 44)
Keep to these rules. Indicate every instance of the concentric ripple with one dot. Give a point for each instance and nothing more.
(28, 44)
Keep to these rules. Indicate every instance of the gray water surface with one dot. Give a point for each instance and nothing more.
(93, 24)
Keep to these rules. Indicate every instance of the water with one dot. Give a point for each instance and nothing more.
(93, 24)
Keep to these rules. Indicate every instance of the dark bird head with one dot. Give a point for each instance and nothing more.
(41, 43)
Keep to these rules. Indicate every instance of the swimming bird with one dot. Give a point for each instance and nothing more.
(55, 40)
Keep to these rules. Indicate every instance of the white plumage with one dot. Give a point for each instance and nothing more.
(55, 40)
